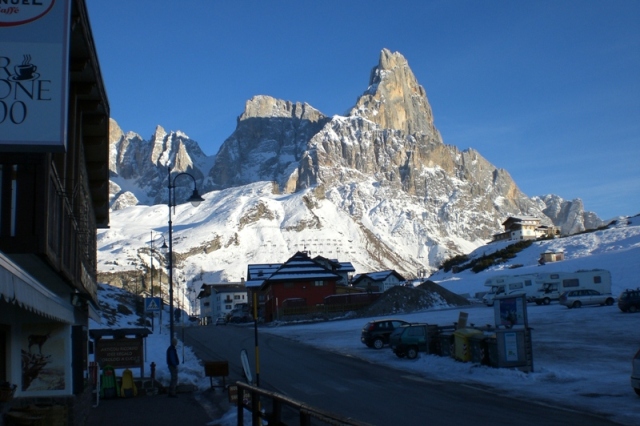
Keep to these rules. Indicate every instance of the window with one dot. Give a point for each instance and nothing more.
(527, 282)
(573, 282)
(597, 279)
(288, 285)
(415, 331)
(555, 276)
(515, 286)
(319, 283)
(236, 297)
(228, 307)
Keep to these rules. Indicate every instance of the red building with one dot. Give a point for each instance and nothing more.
(299, 282)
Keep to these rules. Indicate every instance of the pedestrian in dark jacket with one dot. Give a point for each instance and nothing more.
(172, 363)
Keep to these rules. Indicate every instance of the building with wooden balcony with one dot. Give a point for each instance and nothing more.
(525, 228)
(54, 193)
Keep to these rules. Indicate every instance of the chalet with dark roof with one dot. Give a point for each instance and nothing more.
(524, 228)
(378, 281)
(300, 281)
(344, 269)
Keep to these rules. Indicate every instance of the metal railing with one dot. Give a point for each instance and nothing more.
(252, 397)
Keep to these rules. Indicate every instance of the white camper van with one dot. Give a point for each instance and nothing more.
(553, 284)
(505, 285)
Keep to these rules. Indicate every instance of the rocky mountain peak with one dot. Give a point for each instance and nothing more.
(263, 106)
(140, 166)
(269, 140)
(569, 215)
(395, 100)
(411, 198)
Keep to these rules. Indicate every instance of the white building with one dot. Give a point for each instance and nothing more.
(524, 228)
(218, 300)
(380, 281)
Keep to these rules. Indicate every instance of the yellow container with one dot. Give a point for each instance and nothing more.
(462, 351)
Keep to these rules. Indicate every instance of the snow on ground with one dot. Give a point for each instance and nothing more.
(582, 357)
(616, 249)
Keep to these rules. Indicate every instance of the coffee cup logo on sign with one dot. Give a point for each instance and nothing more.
(25, 71)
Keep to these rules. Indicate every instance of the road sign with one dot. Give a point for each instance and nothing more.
(245, 366)
(152, 304)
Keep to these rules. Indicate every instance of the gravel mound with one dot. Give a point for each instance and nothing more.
(400, 299)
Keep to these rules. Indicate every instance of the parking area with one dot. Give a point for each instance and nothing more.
(581, 356)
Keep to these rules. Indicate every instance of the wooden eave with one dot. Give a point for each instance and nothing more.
(88, 86)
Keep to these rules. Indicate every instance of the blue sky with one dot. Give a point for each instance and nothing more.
(548, 90)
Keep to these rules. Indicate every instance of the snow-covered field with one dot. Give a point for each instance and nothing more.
(582, 357)
(616, 249)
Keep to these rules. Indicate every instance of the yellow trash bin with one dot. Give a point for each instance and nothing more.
(462, 344)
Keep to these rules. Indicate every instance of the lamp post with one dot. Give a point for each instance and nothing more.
(164, 249)
(195, 201)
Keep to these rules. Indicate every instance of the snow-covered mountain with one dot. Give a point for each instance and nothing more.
(377, 186)
(138, 168)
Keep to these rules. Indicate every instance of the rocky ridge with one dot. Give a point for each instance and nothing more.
(384, 165)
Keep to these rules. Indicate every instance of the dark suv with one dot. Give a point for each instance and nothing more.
(375, 334)
(411, 339)
(629, 300)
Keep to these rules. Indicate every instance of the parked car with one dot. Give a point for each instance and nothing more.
(635, 373)
(629, 300)
(409, 340)
(221, 321)
(375, 334)
(578, 298)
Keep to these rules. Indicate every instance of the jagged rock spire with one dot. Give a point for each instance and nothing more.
(395, 100)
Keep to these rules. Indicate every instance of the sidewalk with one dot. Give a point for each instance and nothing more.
(189, 408)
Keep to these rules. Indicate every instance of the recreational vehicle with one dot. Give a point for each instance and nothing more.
(505, 285)
(553, 284)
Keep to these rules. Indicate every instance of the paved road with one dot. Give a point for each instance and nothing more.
(371, 393)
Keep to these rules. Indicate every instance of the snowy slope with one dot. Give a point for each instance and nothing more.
(616, 249)
(585, 367)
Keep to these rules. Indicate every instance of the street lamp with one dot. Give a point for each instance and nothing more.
(164, 249)
(195, 201)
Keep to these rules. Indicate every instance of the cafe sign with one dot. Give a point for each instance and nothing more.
(34, 75)
(120, 353)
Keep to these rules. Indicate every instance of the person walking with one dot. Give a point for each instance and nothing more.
(172, 363)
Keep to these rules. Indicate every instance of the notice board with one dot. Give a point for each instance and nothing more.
(120, 353)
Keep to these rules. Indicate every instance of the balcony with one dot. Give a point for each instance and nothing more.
(45, 226)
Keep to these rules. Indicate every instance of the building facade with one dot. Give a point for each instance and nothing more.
(54, 193)
(378, 281)
(221, 300)
(300, 282)
(524, 228)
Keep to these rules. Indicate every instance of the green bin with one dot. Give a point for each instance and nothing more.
(492, 350)
(445, 341)
(479, 351)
